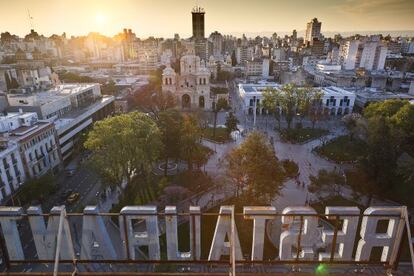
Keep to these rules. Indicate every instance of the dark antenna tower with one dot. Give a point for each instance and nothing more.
(30, 18)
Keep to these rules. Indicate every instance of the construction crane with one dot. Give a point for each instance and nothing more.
(30, 19)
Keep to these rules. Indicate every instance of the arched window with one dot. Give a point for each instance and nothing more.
(185, 101)
(201, 102)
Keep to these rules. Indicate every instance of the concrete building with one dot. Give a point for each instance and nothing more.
(12, 173)
(72, 124)
(55, 102)
(36, 141)
(372, 57)
(313, 30)
(198, 22)
(369, 95)
(369, 55)
(279, 54)
(254, 68)
(217, 39)
(71, 107)
(251, 92)
(411, 89)
(335, 100)
(348, 54)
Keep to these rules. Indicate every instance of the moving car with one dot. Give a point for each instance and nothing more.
(72, 198)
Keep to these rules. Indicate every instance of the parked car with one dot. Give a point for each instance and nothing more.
(70, 173)
(72, 198)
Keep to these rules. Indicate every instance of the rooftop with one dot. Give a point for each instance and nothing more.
(56, 93)
(336, 91)
(250, 88)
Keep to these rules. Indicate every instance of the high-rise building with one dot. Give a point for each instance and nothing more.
(294, 35)
(348, 53)
(198, 22)
(313, 30)
(217, 39)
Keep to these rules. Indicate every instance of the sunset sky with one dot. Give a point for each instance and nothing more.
(166, 17)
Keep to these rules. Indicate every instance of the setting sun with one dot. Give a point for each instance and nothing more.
(100, 18)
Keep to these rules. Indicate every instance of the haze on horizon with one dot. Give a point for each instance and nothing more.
(164, 18)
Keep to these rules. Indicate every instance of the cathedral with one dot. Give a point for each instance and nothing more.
(191, 86)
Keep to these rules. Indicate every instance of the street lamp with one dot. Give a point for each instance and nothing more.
(254, 112)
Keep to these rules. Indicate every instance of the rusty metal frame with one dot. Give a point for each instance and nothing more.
(128, 260)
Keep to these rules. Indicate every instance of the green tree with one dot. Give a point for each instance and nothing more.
(73, 77)
(352, 123)
(255, 170)
(316, 111)
(190, 141)
(37, 189)
(327, 182)
(380, 160)
(231, 122)
(383, 109)
(124, 146)
(290, 167)
(271, 102)
(286, 98)
(170, 123)
(403, 127)
(218, 106)
(304, 101)
(151, 100)
(109, 88)
(224, 76)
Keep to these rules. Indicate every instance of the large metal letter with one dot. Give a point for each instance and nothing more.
(96, 242)
(8, 217)
(345, 237)
(172, 235)
(145, 237)
(259, 215)
(369, 236)
(223, 228)
(45, 238)
(290, 238)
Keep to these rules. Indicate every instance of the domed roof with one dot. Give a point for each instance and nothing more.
(189, 58)
(203, 71)
(168, 71)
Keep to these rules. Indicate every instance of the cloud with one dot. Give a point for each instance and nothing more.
(376, 7)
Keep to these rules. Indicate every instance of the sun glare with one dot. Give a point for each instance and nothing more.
(100, 19)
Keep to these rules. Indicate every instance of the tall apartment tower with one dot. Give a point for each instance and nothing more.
(198, 22)
(313, 30)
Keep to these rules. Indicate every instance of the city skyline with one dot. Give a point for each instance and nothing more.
(163, 19)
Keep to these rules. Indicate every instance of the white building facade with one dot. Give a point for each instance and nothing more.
(335, 100)
(11, 169)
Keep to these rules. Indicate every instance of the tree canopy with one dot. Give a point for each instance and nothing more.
(124, 146)
(152, 100)
(231, 122)
(327, 182)
(255, 170)
(170, 123)
(291, 101)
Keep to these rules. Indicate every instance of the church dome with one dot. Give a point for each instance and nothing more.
(168, 71)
